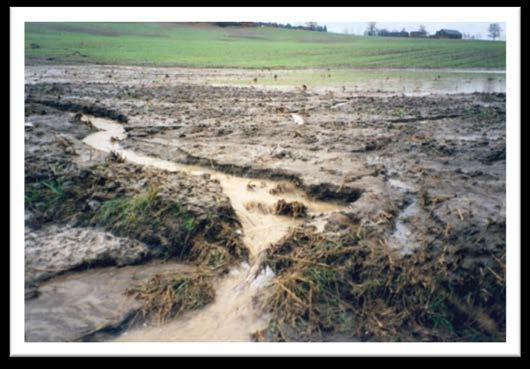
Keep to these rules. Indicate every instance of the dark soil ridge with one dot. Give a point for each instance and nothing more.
(323, 191)
(97, 111)
(420, 118)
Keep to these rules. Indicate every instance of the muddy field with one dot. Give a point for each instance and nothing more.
(162, 207)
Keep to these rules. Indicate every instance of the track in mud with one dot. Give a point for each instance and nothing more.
(232, 316)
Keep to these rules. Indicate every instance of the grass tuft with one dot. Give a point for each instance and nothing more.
(44, 195)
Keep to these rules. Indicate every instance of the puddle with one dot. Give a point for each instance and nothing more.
(407, 81)
(232, 316)
(74, 305)
(402, 236)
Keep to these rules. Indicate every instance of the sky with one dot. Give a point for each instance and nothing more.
(473, 28)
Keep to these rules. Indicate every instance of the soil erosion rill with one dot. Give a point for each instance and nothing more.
(161, 206)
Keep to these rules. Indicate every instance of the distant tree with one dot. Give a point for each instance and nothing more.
(312, 25)
(325, 29)
(345, 30)
(371, 30)
(494, 31)
(422, 29)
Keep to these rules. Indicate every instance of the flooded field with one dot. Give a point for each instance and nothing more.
(369, 207)
(408, 81)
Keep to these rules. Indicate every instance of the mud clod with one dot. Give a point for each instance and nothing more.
(294, 209)
(283, 187)
(115, 157)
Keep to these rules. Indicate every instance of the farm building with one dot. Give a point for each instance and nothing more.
(385, 33)
(448, 33)
(418, 34)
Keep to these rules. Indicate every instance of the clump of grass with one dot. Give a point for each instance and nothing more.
(214, 257)
(295, 209)
(168, 295)
(362, 289)
(399, 112)
(127, 212)
(44, 195)
(146, 217)
(114, 157)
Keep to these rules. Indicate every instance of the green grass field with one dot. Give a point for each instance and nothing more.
(188, 45)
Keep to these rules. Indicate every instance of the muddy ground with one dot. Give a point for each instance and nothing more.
(408, 173)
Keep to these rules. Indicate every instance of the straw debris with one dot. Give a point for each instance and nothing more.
(165, 296)
(361, 289)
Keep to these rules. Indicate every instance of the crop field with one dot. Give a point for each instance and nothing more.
(195, 45)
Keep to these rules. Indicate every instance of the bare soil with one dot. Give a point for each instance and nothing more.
(408, 172)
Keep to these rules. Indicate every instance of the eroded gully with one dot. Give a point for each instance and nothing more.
(233, 315)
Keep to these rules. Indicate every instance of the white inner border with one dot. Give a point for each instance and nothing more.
(511, 18)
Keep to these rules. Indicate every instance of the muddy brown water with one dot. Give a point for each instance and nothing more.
(72, 306)
(233, 315)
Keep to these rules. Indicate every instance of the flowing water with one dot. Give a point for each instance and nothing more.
(402, 238)
(233, 315)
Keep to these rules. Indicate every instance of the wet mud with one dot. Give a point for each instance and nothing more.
(402, 172)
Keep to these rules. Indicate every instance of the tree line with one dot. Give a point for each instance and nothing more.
(309, 26)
